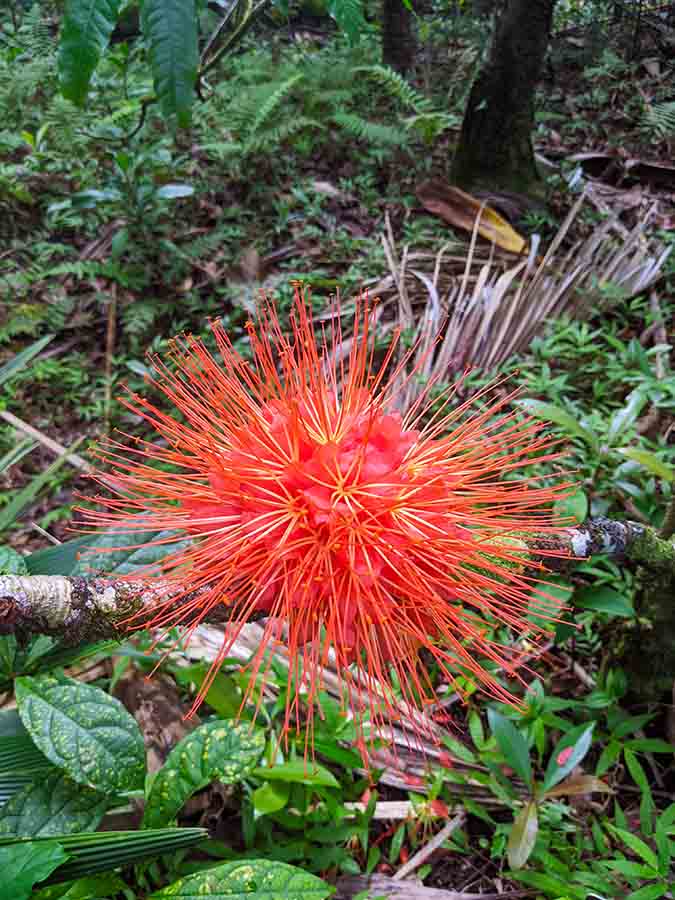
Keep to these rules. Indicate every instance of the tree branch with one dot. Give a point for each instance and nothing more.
(79, 610)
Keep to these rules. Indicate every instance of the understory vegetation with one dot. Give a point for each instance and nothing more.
(310, 161)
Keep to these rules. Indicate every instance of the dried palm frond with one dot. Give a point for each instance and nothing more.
(478, 309)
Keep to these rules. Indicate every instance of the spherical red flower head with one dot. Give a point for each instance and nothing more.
(358, 532)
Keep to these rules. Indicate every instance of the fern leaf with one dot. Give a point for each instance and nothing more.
(660, 118)
(272, 103)
(397, 87)
(372, 132)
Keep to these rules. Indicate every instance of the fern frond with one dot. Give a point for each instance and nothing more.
(273, 137)
(372, 132)
(659, 118)
(273, 102)
(397, 87)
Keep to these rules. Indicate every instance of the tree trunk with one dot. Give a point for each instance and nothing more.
(398, 36)
(495, 145)
(483, 8)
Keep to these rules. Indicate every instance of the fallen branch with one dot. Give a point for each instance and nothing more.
(79, 610)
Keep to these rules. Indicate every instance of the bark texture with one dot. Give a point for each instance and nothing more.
(398, 36)
(495, 145)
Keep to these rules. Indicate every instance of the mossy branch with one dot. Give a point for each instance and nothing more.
(79, 610)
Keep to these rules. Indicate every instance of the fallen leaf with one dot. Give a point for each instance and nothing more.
(461, 210)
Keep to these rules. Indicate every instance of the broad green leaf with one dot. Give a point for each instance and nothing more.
(299, 772)
(271, 797)
(626, 417)
(254, 879)
(650, 461)
(523, 836)
(512, 745)
(23, 865)
(552, 413)
(170, 31)
(60, 560)
(604, 599)
(577, 785)
(89, 853)
(21, 360)
(11, 562)
(110, 552)
(85, 31)
(567, 754)
(574, 506)
(52, 805)
(221, 750)
(84, 731)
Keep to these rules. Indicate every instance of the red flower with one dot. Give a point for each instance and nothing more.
(311, 499)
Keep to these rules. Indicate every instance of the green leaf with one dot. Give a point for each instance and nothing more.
(271, 797)
(567, 754)
(605, 600)
(26, 495)
(102, 851)
(631, 869)
(96, 887)
(523, 836)
(84, 731)
(650, 745)
(574, 506)
(11, 726)
(21, 360)
(255, 879)
(512, 745)
(608, 757)
(24, 865)
(552, 413)
(17, 453)
(52, 805)
(625, 418)
(637, 845)
(60, 560)
(85, 32)
(348, 16)
(649, 892)
(298, 771)
(174, 191)
(555, 887)
(221, 750)
(11, 562)
(459, 750)
(170, 31)
(650, 461)
(104, 553)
